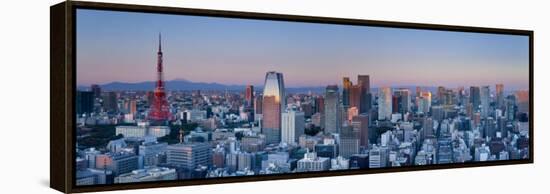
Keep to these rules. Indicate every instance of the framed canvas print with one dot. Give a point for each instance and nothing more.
(145, 96)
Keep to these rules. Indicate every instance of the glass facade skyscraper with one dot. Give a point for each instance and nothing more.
(332, 109)
(274, 102)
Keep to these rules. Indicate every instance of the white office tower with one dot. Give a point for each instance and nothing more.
(293, 124)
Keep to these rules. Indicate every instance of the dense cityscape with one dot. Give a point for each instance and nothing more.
(126, 136)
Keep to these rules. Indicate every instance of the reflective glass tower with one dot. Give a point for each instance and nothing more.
(273, 104)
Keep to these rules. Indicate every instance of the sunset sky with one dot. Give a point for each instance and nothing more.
(121, 46)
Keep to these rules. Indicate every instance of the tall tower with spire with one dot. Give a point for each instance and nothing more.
(159, 112)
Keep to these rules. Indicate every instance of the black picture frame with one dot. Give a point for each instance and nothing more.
(63, 87)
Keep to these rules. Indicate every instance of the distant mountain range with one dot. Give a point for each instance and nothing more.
(186, 85)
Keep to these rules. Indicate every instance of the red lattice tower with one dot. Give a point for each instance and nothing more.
(159, 108)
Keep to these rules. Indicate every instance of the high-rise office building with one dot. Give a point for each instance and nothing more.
(332, 109)
(444, 151)
(258, 105)
(522, 100)
(189, 155)
(418, 90)
(475, 98)
(249, 96)
(110, 102)
(232, 161)
(355, 95)
(84, 102)
(428, 127)
(96, 89)
(485, 97)
(511, 107)
(499, 89)
(403, 100)
(360, 123)
(218, 157)
(274, 102)
(440, 94)
(384, 103)
(245, 161)
(307, 108)
(320, 104)
(346, 91)
(130, 106)
(424, 102)
(293, 124)
(349, 141)
(366, 96)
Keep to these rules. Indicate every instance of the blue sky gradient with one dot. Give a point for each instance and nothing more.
(121, 46)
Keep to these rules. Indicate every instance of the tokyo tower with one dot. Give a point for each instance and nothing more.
(159, 108)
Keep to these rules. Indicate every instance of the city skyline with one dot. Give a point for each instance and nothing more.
(199, 132)
(115, 46)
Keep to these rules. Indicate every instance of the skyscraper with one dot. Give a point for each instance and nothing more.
(332, 109)
(403, 98)
(274, 101)
(130, 106)
(440, 94)
(511, 107)
(384, 103)
(249, 96)
(485, 100)
(355, 95)
(424, 102)
(349, 141)
(500, 96)
(475, 98)
(96, 89)
(522, 100)
(110, 102)
(258, 105)
(84, 102)
(366, 97)
(320, 105)
(293, 124)
(360, 123)
(346, 91)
